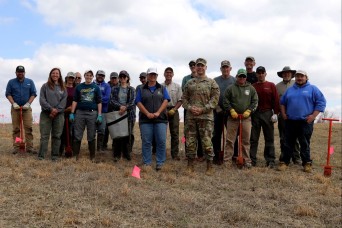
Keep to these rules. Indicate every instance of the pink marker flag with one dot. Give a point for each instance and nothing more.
(18, 140)
(136, 172)
(331, 150)
(183, 139)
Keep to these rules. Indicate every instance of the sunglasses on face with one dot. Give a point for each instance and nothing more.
(242, 76)
(78, 77)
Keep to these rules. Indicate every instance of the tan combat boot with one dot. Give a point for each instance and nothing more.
(190, 167)
(210, 170)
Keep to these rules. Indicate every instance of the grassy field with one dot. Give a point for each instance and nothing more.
(67, 193)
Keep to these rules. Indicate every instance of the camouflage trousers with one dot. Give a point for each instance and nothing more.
(205, 130)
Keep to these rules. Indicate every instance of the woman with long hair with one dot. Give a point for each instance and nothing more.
(53, 96)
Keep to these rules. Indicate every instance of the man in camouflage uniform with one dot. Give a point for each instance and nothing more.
(200, 97)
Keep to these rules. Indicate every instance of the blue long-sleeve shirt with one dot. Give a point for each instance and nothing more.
(21, 91)
(105, 92)
(301, 101)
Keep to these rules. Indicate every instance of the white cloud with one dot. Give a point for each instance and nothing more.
(305, 35)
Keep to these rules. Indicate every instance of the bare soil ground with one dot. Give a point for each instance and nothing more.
(67, 193)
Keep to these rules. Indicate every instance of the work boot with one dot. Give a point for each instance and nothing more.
(91, 147)
(99, 142)
(76, 146)
(190, 167)
(210, 170)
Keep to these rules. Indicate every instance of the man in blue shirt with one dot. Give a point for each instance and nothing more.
(21, 92)
(299, 106)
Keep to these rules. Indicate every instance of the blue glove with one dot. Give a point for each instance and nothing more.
(72, 117)
(99, 119)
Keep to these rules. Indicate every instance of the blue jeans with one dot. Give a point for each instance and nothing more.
(297, 129)
(158, 132)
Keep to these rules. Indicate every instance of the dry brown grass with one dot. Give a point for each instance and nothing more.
(83, 194)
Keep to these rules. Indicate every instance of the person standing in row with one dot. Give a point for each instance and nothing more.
(105, 93)
(53, 97)
(220, 116)
(286, 74)
(113, 82)
(70, 87)
(21, 92)
(240, 98)
(152, 99)
(142, 78)
(78, 78)
(192, 66)
(300, 106)
(200, 97)
(175, 93)
(264, 118)
(88, 106)
(122, 100)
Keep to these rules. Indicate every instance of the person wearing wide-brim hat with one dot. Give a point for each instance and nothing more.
(286, 69)
(286, 74)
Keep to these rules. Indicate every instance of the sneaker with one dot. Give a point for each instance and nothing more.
(159, 167)
(270, 165)
(282, 166)
(248, 165)
(308, 168)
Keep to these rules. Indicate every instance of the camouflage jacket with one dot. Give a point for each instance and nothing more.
(203, 93)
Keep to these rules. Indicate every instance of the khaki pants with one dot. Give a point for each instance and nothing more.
(27, 126)
(232, 128)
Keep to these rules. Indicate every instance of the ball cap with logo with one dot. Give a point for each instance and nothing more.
(20, 69)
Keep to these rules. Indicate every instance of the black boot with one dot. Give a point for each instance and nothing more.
(76, 146)
(99, 142)
(91, 147)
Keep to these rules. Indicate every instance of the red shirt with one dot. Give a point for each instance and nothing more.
(268, 96)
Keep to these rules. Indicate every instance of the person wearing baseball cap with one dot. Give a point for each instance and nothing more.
(299, 107)
(113, 79)
(88, 105)
(200, 97)
(192, 67)
(105, 92)
(249, 64)
(287, 74)
(21, 92)
(240, 100)
(264, 118)
(220, 117)
(152, 99)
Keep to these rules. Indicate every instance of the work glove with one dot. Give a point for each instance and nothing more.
(274, 118)
(233, 114)
(171, 112)
(246, 114)
(99, 120)
(72, 117)
(26, 106)
(15, 106)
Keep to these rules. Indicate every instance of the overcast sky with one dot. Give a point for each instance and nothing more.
(132, 35)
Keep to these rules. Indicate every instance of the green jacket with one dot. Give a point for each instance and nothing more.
(240, 98)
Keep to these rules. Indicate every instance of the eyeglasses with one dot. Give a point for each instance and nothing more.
(78, 78)
(242, 76)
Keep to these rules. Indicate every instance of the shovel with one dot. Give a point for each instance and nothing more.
(68, 149)
(239, 160)
(21, 143)
(328, 167)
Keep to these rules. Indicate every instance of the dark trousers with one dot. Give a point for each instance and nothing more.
(297, 129)
(296, 151)
(199, 143)
(220, 120)
(174, 132)
(262, 120)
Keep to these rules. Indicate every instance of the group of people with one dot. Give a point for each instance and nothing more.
(223, 117)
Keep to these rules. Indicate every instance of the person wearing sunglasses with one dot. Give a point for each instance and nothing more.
(78, 78)
(239, 99)
(193, 74)
(123, 100)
